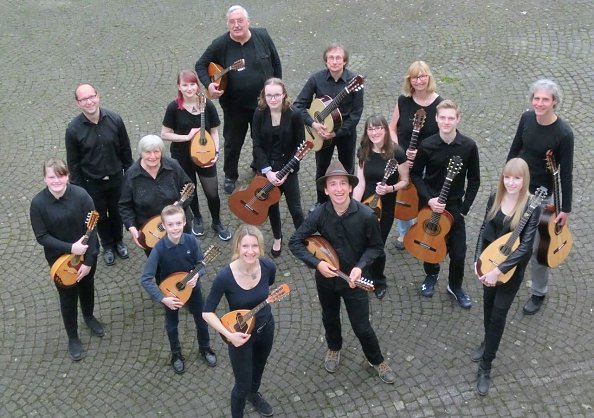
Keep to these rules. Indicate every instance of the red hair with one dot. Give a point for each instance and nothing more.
(188, 76)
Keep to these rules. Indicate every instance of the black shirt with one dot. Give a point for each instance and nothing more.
(407, 108)
(97, 150)
(59, 223)
(432, 160)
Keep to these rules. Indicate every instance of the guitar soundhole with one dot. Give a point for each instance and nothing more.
(431, 228)
(260, 195)
(180, 286)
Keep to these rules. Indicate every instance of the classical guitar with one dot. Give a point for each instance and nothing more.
(374, 201)
(176, 283)
(322, 250)
(251, 203)
(407, 199)
(243, 320)
(152, 231)
(500, 249)
(556, 240)
(218, 74)
(65, 269)
(426, 239)
(325, 110)
(202, 146)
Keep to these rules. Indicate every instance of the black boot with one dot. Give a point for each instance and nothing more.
(477, 354)
(484, 377)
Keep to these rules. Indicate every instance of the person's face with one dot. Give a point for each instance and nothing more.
(174, 225)
(56, 183)
(238, 25)
(338, 189)
(447, 121)
(543, 103)
(274, 96)
(87, 100)
(151, 158)
(513, 184)
(420, 81)
(188, 88)
(249, 249)
(376, 134)
(335, 60)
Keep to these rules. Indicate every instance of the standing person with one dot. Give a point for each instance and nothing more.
(540, 130)
(240, 97)
(178, 252)
(277, 132)
(58, 215)
(244, 283)
(98, 152)
(181, 122)
(329, 82)
(418, 92)
(429, 174)
(353, 231)
(505, 209)
(150, 184)
(376, 150)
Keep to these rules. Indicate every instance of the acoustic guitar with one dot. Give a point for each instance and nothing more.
(65, 269)
(322, 250)
(374, 201)
(325, 110)
(500, 249)
(243, 320)
(202, 146)
(556, 240)
(176, 283)
(252, 202)
(425, 240)
(218, 74)
(407, 199)
(152, 231)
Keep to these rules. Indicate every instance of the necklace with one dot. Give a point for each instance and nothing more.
(253, 275)
(342, 212)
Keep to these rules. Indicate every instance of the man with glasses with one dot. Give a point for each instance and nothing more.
(98, 152)
(239, 99)
(330, 82)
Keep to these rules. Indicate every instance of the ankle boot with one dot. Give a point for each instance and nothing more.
(484, 377)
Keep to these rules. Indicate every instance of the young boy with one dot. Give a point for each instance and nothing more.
(177, 252)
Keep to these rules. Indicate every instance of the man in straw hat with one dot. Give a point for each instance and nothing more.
(352, 230)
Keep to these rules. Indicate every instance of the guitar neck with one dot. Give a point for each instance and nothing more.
(556, 189)
(287, 168)
(445, 191)
(413, 142)
(333, 105)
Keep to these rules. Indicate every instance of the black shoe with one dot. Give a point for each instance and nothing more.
(477, 354)
(260, 404)
(75, 349)
(197, 227)
(108, 257)
(276, 253)
(428, 285)
(380, 293)
(484, 378)
(229, 185)
(95, 326)
(209, 356)
(222, 231)
(177, 362)
(533, 305)
(461, 297)
(122, 250)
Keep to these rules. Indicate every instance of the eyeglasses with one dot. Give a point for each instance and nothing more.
(375, 128)
(273, 96)
(421, 77)
(86, 99)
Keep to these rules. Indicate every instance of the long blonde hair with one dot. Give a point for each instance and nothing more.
(243, 231)
(516, 167)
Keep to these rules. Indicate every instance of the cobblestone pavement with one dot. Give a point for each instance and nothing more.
(484, 54)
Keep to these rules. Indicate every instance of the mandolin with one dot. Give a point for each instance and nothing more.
(556, 240)
(407, 199)
(251, 203)
(152, 231)
(374, 201)
(243, 320)
(322, 250)
(500, 249)
(325, 110)
(218, 74)
(65, 269)
(202, 146)
(426, 239)
(176, 283)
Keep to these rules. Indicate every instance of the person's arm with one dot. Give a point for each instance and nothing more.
(393, 123)
(416, 174)
(480, 244)
(360, 187)
(73, 157)
(375, 243)
(565, 162)
(473, 177)
(517, 143)
(349, 123)
(304, 99)
(524, 250)
(125, 151)
(126, 203)
(297, 240)
(277, 69)
(41, 232)
(259, 144)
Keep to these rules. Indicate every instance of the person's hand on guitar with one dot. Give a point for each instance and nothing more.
(561, 219)
(411, 155)
(382, 189)
(213, 90)
(134, 234)
(192, 282)
(82, 272)
(78, 248)
(326, 269)
(322, 131)
(172, 302)
(436, 206)
(489, 279)
(355, 276)
(271, 177)
(192, 133)
(238, 338)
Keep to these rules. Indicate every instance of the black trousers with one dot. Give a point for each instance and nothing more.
(345, 145)
(83, 291)
(234, 131)
(290, 188)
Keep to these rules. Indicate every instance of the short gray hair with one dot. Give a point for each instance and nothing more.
(237, 8)
(150, 143)
(548, 86)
